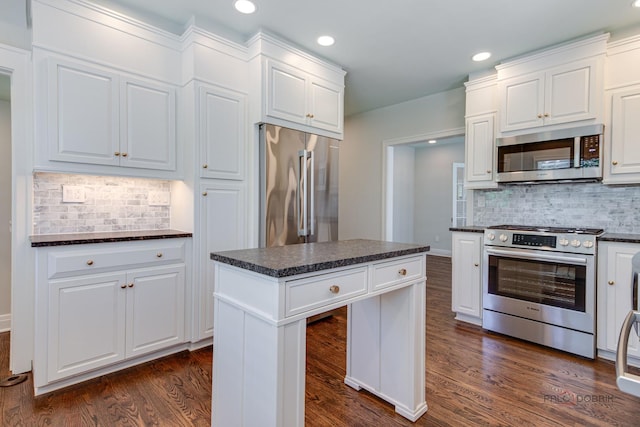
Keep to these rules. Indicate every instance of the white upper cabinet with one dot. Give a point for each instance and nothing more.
(222, 133)
(294, 95)
(563, 94)
(622, 159)
(553, 87)
(97, 116)
(479, 151)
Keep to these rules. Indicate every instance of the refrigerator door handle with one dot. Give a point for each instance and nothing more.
(301, 197)
(311, 199)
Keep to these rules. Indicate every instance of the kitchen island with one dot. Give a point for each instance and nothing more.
(262, 299)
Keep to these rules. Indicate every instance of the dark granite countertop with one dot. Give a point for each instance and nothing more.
(284, 261)
(619, 237)
(40, 240)
(469, 228)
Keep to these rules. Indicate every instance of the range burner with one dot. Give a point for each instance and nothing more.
(557, 230)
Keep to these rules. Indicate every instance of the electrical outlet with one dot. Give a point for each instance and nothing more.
(73, 194)
(159, 198)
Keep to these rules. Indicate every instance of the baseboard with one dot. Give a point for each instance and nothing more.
(5, 322)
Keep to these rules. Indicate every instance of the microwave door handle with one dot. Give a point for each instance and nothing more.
(577, 152)
(627, 382)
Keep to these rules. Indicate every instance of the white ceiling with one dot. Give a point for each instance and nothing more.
(398, 50)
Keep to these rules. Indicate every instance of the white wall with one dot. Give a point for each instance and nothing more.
(434, 194)
(5, 213)
(403, 193)
(361, 154)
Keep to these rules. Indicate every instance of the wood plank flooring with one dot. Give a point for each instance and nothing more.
(473, 378)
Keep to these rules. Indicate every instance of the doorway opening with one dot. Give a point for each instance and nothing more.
(418, 188)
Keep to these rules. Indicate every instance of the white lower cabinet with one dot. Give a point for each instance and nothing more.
(133, 305)
(614, 296)
(466, 276)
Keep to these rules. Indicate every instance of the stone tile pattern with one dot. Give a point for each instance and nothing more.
(290, 260)
(616, 209)
(111, 204)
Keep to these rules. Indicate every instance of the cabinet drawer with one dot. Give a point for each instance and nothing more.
(307, 294)
(394, 272)
(105, 256)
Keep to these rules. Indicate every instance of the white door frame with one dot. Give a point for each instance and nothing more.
(388, 146)
(16, 63)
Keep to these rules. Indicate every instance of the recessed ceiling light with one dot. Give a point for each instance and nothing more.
(432, 141)
(635, 3)
(326, 40)
(244, 6)
(481, 56)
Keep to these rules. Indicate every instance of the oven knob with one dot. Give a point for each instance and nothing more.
(575, 243)
(491, 236)
(504, 238)
(587, 244)
(563, 242)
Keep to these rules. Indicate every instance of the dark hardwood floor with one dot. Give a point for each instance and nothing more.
(473, 378)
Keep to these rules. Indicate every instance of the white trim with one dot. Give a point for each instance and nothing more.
(17, 64)
(439, 252)
(5, 322)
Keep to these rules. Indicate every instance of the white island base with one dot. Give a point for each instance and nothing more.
(260, 337)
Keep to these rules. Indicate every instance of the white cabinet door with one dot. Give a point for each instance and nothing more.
(622, 161)
(147, 125)
(522, 100)
(326, 105)
(155, 309)
(85, 328)
(286, 96)
(299, 97)
(614, 293)
(570, 93)
(479, 152)
(82, 114)
(466, 276)
(222, 227)
(222, 133)
(563, 94)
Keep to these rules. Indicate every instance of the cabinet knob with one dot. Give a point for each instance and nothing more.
(123, 286)
(546, 114)
(402, 272)
(159, 254)
(124, 154)
(614, 163)
(539, 116)
(90, 262)
(309, 115)
(611, 282)
(334, 289)
(204, 193)
(475, 264)
(488, 170)
(130, 285)
(117, 153)
(205, 166)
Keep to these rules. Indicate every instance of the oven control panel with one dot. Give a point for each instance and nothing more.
(559, 242)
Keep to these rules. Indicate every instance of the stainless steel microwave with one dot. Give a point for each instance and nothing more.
(559, 155)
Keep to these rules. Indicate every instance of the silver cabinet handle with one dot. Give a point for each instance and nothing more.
(627, 382)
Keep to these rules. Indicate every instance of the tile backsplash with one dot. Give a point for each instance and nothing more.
(110, 204)
(616, 209)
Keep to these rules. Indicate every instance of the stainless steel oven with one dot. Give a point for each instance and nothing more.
(539, 285)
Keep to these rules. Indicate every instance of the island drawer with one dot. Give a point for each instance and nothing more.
(398, 271)
(86, 259)
(306, 294)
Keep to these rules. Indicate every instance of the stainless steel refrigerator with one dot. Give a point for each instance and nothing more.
(299, 187)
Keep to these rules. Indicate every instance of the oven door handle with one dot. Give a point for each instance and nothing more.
(537, 256)
(627, 382)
